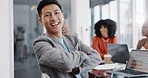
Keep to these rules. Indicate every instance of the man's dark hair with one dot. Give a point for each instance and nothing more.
(43, 3)
(109, 24)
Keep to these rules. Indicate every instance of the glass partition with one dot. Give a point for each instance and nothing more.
(26, 29)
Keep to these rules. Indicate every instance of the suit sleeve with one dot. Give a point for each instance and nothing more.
(55, 58)
(95, 58)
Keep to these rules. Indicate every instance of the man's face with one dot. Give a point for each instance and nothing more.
(145, 29)
(52, 18)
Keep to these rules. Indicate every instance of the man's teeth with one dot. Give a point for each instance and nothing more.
(55, 24)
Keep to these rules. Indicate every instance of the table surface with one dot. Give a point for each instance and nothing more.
(102, 71)
(112, 66)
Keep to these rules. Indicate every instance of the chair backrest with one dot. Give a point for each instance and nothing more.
(44, 75)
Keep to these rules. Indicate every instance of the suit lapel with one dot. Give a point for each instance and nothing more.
(70, 44)
(56, 44)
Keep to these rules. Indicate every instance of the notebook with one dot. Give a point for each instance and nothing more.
(137, 64)
(119, 52)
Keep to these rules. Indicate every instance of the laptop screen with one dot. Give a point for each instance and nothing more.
(119, 52)
(138, 60)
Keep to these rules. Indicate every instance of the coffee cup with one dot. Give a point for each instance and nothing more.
(107, 58)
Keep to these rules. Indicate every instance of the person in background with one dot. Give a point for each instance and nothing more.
(105, 33)
(58, 55)
(66, 29)
(143, 43)
(20, 44)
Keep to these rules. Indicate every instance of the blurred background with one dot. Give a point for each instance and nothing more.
(80, 15)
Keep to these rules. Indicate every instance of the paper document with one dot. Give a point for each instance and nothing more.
(110, 66)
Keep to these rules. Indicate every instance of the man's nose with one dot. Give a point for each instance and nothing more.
(53, 17)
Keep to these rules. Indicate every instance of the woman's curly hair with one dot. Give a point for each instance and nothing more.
(109, 24)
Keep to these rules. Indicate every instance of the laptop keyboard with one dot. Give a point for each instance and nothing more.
(132, 72)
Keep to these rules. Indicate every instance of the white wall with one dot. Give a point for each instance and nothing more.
(80, 15)
(146, 8)
(6, 39)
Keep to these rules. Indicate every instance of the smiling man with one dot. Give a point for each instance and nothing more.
(61, 56)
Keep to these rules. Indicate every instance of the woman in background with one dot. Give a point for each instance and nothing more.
(143, 43)
(105, 33)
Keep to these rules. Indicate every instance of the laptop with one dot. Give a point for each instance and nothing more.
(119, 52)
(137, 65)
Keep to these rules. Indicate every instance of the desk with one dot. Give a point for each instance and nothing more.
(100, 70)
(115, 66)
(92, 75)
(118, 76)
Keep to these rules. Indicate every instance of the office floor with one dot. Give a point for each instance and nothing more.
(28, 68)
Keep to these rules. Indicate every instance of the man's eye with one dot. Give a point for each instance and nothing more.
(47, 15)
(56, 12)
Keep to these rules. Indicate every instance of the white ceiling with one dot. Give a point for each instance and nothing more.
(64, 3)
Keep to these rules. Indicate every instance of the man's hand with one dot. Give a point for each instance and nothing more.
(75, 71)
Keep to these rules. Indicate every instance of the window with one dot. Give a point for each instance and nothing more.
(129, 15)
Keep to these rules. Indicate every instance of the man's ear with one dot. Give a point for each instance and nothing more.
(40, 21)
(63, 14)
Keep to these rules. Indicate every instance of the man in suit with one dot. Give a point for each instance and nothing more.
(61, 56)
